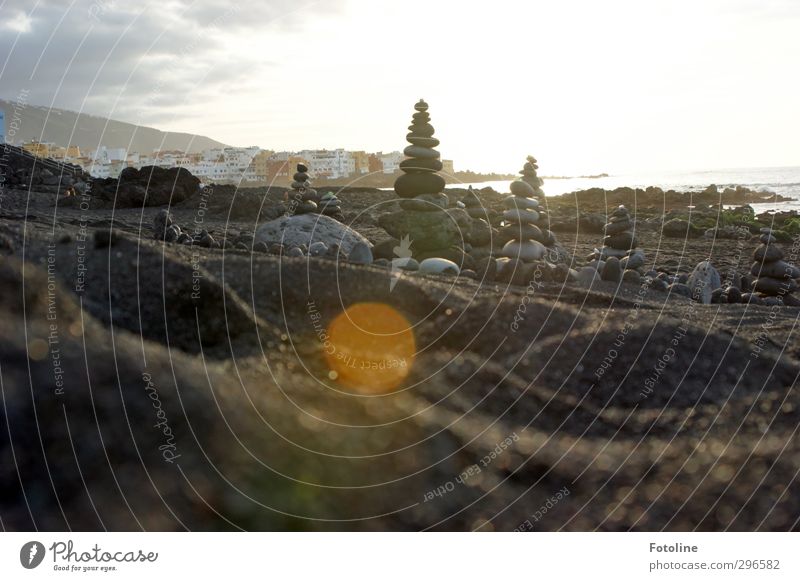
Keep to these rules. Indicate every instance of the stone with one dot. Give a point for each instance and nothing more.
(683, 290)
(612, 271)
(301, 167)
(513, 271)
(486, 269)
(408, 264)
(425, 230)
(416, 164)
(719, 297)
(773, 286)
(521, 189)
(295, 252)
(767, 253)
(588, 276)
(516, 203)
(161, 221)
(767, 239)
(521, 216)
(703, 281)
(631, 277)
(306, 229)
(317, 249)
(415, 184)
(622, 241)
(438, 266)
(778, 269)
(172, 233)
(678, 228)
(422, 141)
(261, 247)
(360, 253)
(386, 249)
(617, 227)
(425, 203)
(733, 295)
(526, 250)
(418, 152)
(658, 284)
(634, 260)
(147, 186)
(526, 232)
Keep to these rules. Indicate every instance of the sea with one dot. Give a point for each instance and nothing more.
(779, 180)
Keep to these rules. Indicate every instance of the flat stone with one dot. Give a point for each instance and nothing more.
(421, 129)
(767, 253)
(767, 239)
(774, 286)
(617, 227)
(438, 266)
(421, 105)
(408, 264)
(622, 241)
(631, 277)
(421, 152)
(606, 252)
(526, 250)
(683, 290)
(635, 259)
(520, 203)
(416, 164)
(300, 176)
(521, 216)
(778, 269)
(422, 141)
(526, 232)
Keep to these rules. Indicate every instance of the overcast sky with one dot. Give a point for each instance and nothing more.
(585, 86)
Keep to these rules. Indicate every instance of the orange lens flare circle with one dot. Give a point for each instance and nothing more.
(371, 348)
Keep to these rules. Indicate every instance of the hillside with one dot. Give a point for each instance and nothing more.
(87, 131)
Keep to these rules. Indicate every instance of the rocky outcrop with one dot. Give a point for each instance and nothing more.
(20, 169)
(148, 186)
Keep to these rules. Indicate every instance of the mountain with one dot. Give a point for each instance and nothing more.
(87, 131)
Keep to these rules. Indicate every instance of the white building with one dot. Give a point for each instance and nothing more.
(331, 164)
(391, 161)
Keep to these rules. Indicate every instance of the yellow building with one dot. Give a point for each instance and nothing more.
(447, 167)
(361, 159)
(37, 148)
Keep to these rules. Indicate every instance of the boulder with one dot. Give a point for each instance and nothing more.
(306, 229)
(148, 186)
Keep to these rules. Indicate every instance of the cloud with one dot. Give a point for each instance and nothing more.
(138, 61)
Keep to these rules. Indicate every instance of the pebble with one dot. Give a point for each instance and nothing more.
(438, 266)
(317, 249)
(612, 271)
(360, 254)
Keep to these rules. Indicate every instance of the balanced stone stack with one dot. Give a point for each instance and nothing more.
(473, 205)
(774, 276)
(302, 197)
(330, 205)
(524, 210)
(423, 218)
(421, 187)
(620, 241)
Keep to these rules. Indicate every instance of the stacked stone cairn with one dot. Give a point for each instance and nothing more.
(620, 246)
(302, 197)
(473, 205)
(330, 205)
(423, 218)
(774, 276)
(524, 209)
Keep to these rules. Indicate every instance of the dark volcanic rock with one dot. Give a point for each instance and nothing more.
(148, 186)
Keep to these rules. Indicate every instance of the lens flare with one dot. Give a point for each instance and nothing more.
(371, 348)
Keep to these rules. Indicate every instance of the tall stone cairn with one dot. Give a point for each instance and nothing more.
(423, 218)
(302, 197)
(522, 216)
(620, 241)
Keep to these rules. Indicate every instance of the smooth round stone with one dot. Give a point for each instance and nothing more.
(422, 116)
(621, 218)
(303, 168)
(766, 230)
(733, 294)
(526, 250)
(300, 176)
(521, 216)
(408, 264)
(421, 129)
(415, 164)
(606, 252)
(612, 271)
(360, 254)
(616, 227)
(520, 203)
(305, 207)
(421, 105)
(299, 185)
(633, 260)
(328, 196)
(535, 182)
(774, 286)
(631, 277)
(526, 232)
(421, 152)
(425, 203)
(587, 276)
(767, 253)
(521, 189)
(767, 239)
(317, 249)
(621, 211)
(438, 266)
(422, 141)
(415, 184)
(295, 252)
(678, 288)
(778, 269)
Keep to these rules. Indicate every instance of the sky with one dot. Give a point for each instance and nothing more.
(585, 86)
